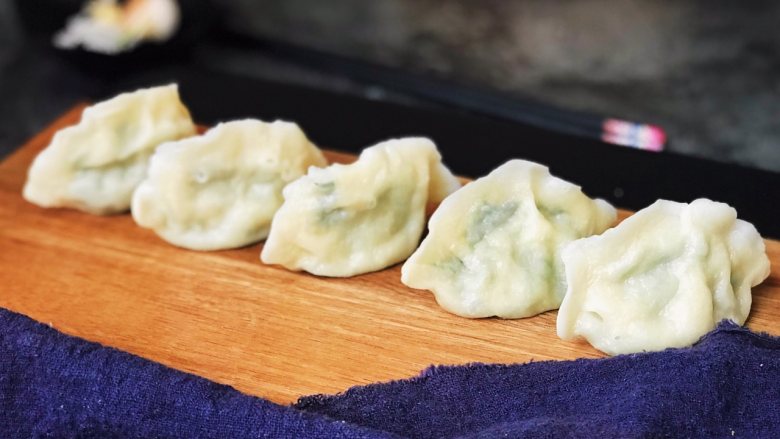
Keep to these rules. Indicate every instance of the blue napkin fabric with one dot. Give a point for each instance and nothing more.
(727, 385)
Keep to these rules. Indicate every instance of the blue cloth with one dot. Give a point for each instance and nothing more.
(728, 385)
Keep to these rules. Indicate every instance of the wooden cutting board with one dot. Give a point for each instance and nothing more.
(227, 317)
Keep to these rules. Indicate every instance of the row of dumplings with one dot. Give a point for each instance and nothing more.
(512, 244)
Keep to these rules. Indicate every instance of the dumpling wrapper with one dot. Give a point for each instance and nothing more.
(493, 247)
(95, 165)
(221, 190)
(662, 278)
(345, 220)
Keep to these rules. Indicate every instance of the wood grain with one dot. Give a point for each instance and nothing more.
(261, 329)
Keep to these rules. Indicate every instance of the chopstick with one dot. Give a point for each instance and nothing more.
(500, 105)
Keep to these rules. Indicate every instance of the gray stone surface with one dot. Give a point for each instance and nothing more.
(707, 71)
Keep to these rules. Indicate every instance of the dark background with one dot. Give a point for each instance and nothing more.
(708, 72)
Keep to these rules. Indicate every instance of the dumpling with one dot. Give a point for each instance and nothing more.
(95, 165)
(220, 190)
(493, 247)
(662, 278)
(351, 219)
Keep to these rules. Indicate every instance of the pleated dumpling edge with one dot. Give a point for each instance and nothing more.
(662, 278)
(96, 164)
(345, 220)
(493, 247)
(220, 190)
